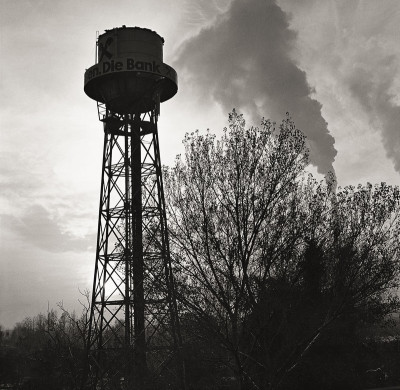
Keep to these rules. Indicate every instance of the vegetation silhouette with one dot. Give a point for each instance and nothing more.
(272, 265)
(283, 282)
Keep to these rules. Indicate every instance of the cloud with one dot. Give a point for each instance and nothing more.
(32, 278)
(38, 228)
(244, 61)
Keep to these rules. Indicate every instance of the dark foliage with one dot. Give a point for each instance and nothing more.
(45, 352)
(271, 263)
(283, 282)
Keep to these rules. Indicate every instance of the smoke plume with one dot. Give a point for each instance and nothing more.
(244, 61)
(350, 49)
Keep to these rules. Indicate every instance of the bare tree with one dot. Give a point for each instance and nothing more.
(48, 351)
(267, 257)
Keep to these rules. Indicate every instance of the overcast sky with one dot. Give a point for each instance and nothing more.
(333, 64)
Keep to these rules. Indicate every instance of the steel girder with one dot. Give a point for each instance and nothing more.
(134, 339)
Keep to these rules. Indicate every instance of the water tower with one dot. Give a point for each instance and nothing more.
(134, 338)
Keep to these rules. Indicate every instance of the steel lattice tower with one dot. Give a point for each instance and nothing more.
(134, 338)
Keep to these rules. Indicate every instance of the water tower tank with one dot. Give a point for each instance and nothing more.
(130, 75)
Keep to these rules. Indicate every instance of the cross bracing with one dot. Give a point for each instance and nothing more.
(134, 329)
